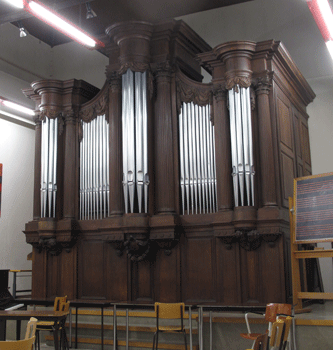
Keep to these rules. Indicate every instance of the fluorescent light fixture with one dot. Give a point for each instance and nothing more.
(16, 3)
(63, 25)
(322, 14)
(14, 116)
(17, 107)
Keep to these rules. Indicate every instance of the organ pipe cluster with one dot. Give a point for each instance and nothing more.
(241, 145)
(49, 167)
(94, 169)
(135, 141)
(197, 160)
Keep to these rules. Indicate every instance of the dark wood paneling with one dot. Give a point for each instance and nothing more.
(91, 269)
(39, 264)
(198, 276)
(68, 275)
(251, 277)
(167, 276)
(142, 281)
(228, 273)
(53, 272)
(117, 275)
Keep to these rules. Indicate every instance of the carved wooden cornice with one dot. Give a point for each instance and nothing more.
(98, 107)
(191, 91)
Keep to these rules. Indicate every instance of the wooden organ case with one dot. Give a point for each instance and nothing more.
(159, 187)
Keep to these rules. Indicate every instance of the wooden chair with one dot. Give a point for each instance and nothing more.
(272, 310)
(280, 333)
(60, 304)
(261, 342)
(26, 343)
(170, 311)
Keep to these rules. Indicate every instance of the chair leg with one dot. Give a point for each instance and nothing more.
(154, 341)
(37, 340)
(185, 339)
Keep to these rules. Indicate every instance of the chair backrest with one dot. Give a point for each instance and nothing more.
(58, 301)
(31, 328)
(169, 310)
(261, 342)
(64, 306)
(25, 344)
(274, 309)
(280, 332)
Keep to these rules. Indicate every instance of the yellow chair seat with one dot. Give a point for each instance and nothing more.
(170, 328)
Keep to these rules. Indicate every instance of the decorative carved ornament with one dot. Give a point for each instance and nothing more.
(133, 66)
(191, 91)
(263, 83)
(91, 111)
(137, 248)
(235, 82)
(50, 113)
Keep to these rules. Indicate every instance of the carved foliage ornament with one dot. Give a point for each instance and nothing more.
(98, 108)
(198, 93)
(235, 82)
(133, 66)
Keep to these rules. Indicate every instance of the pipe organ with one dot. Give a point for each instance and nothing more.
(159, 187)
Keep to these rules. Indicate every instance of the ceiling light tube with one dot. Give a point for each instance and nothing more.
(17, 107)
(58, 22)
(322, 14)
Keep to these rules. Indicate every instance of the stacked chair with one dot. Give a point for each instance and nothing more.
(60, 304)
(26, 343)
(272, 312)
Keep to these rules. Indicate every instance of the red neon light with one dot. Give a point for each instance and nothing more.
(26, 4)
(319, 18)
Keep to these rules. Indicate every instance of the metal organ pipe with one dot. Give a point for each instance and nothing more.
(94, 181)
(135, 141)
(241, 145)
(49, 167)
(197, 160)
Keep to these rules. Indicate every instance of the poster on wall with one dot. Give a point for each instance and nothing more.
(0, 186)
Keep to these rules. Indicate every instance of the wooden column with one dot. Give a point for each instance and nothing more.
(266, 162)
(37, 173)
(163, 155)
(115, 146)
(70, 165)
(223, 152)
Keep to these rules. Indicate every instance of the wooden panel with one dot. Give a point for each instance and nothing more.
(142, 281)
(285, 125)
(287, 171)
(305, 143)
(92, 277)
(228, 273)
(117, 267)
(68, 277)
(167, 276)
(199, 275)
(251, 277)
(272, 272)
(39, 263)
(52, 275)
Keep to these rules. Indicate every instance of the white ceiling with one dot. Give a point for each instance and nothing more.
(287, 20)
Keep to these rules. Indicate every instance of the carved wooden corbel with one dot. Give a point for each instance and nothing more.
(249, 239)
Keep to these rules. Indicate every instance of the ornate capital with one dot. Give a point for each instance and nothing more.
(163, 69)
(238, 81)
(69, 116)
(263, 84)
(220, 93)
(114, 80)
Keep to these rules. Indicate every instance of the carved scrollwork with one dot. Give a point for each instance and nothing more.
(98, 108)
(238, 81)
